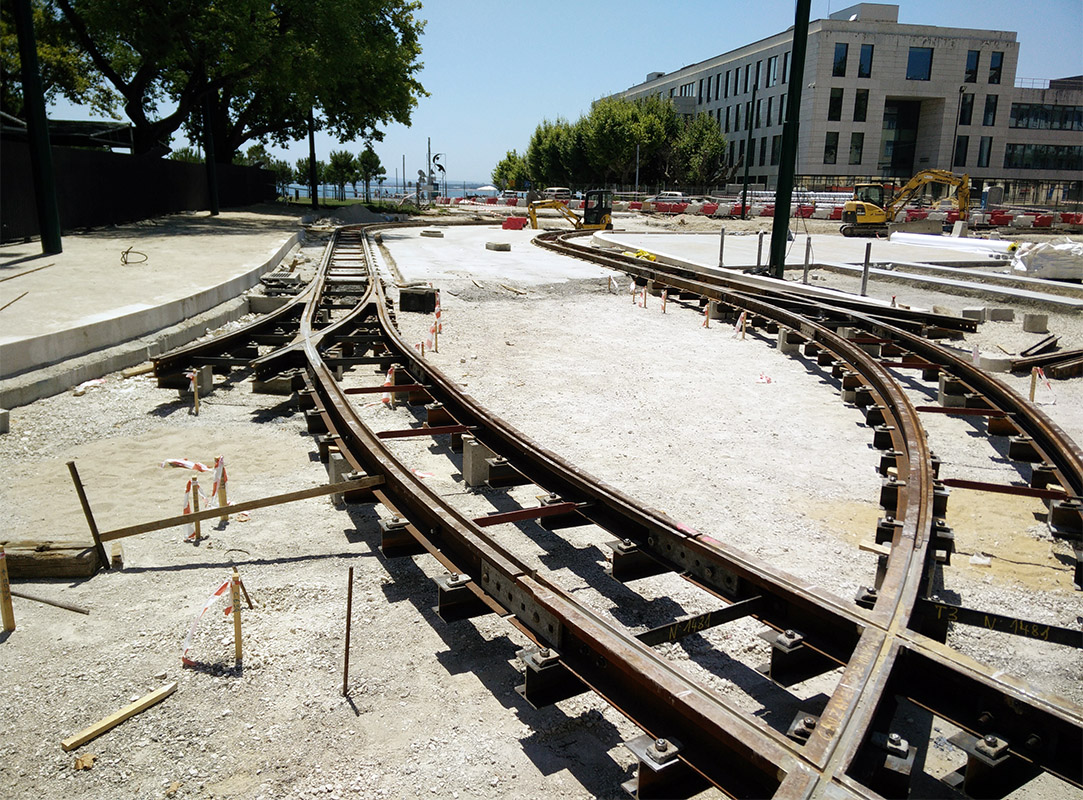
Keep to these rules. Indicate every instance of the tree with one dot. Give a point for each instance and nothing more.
(544, 153)
(301, 173)
(369, 168)
(699, 150)
(187, 154)
(254, 68)
(66, 71)
(341, 169)
(511, 172)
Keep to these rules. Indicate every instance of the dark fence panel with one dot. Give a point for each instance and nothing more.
(96, 188)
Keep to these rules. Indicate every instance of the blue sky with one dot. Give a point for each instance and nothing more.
(495, 69)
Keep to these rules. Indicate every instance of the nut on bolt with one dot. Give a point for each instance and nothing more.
(661, 745)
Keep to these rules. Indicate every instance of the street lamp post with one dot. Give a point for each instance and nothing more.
(955, 136)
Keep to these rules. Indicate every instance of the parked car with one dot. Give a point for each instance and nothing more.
(557, 193)
(668, 197)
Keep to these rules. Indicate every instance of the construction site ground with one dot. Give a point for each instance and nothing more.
(719, 431)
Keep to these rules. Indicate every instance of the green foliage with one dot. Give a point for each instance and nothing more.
(187, 154)
(601, 148)
(301, 173)
(341, 169)
(370, 168)
(254, 68)
(511, 172)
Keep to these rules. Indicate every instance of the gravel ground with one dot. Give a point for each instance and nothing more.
(678, 416)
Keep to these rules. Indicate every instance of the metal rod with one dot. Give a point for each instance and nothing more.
(759, 249)
(865, 271)
(721, 246)
(88, 514)
(57, 603)
(349, 617)
(808, 255)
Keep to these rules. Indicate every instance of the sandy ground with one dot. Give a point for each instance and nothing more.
(676, 415)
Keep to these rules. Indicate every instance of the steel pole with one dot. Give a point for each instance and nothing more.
(37, 130)
(749, 119)
(314, 188)
(787, 167)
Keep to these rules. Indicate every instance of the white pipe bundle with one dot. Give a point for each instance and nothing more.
(988, 246)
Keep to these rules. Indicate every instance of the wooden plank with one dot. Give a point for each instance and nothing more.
(366, 482)
(114, 719)
(439, 430)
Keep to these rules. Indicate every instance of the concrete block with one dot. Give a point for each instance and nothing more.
(1036, 323)
(1022, 221)
(938, 216)
(694, 208)
(995, 362)
(500, 247)
(432, 234)
(278, 385)
(822, 213)
(978, 219)
(960, 230)
(475, 461)
(1001, 314)
(5, 420)
(715, 310)
(421, 299)
(204, 382)
(262, 304)
(975, 313)
(788, 341)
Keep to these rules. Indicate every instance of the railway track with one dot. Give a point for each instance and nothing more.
(885, 648)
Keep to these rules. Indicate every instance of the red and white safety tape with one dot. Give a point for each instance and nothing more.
(195, 623)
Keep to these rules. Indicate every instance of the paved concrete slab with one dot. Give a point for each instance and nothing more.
(85, 299)
(462, 253)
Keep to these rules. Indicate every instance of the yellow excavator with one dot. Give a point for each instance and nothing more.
(868, 213)
(597, 211)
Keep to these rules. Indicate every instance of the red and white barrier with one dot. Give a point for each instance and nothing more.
(221, 590)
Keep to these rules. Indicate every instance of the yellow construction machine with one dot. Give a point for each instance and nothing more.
(869, 213)
(597, 211)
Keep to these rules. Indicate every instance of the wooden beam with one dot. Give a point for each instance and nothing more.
(114, 719)
(366, 482)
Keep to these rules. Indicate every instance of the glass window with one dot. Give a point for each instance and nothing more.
(831, 147)
(861, 105)
(990, 117)
(834, 106)
(759, 109)
(996, 66)
(772, 70)
(741, 150)
(864, 64)
(919, 64)
(776, 150)
(966, 109)
(727, 86)
(786, 67)
(1043, 156)
(782, 109)
(737, 117)
(756, 78)
(984, 147)
(718, 86)
(770, 102)
(961, 145)
(971, 74)
(748, 70)
(763, 151)
(1046, 117)
(857, 144)
(699, 92)
(838, 69)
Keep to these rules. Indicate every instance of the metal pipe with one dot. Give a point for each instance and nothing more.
(721, 246)
(808, 254)
(865, 271)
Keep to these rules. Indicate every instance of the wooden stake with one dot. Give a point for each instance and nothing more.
(349, 617)
(89, 515)
(110, 722)
(195, 507)
(195, 393)
(6, 611)
(36, 599)
(1033, 382)
(222, 502)
(235, 597)
(744, 324)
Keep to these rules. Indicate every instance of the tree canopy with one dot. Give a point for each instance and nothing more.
(601, 148)
(254, 68)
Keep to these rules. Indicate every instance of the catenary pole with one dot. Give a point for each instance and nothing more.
(787, 168)
(314, 188)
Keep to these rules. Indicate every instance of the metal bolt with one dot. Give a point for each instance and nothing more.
(626, 542)
(1034, 741)
(544, 652)
(790, 633)
(809, 722)
(709, 572)
(453, 578)
(395, 519)
(661, 745)
(990, 740)
(894, 738)
(986, 717)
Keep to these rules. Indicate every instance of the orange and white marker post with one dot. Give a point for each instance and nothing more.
(6, 610)
(220, 479)
(665, 296)
(1033, 382)
(707, 315)
(198, 533)
(193, 383)
(235, 598)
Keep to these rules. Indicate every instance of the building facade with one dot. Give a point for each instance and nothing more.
(883, 100)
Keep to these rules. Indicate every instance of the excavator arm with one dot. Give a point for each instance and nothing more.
(960, 200)
(566, 212)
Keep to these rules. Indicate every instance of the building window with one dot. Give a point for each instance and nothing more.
(748, 70)
(966, 109)
(772, 70)
(834, 106)
(699, 92)
(831, 147)
(717, 86)
(1046, 117)
(726, 88)
(838, 69)
(962, 143)
(759, 108)
(756, 79)
(919, 65)
(770, 103)
(990, 117)
(971, 74)
(786, 67)
(1044, 156)
(996, 66)
(776, 150)
(864, 63)
(861, 105)
(726, 129)
(782, 109)
(737, 117)
(763, 151)
(741, 150)
(984, 147)
(857, 145)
